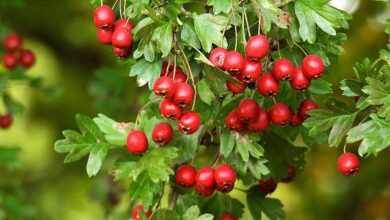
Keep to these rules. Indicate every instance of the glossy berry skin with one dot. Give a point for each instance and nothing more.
(280, 114)
(227, 217)
(205, 177)
(225, 178)
(121, 52)
(104, 35)
(267, 85)
(298, 80)
(296, 120)
(10, 61)
(348, 164)
(137, 210)
(257, 47)
(137, 143)
(217, 56)
(162, 133)
(103, 16)
(185, 176)
(267, 186)
(260, 123)
(6, 121)
(235, 87)
(291, 173)
(283, 69)
(313, 66)
(250, 71)
(189, 123)
(12, 42)
(184, 94)
(233, 122)
(164, 86)
(306, 106)
(122, 38)
(169, 109)
(248, 110)
(204, 191)
(123, 23)
(27, 58)
(234, 61)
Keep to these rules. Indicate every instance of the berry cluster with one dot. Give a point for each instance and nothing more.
(15, 54)
(6, 121)
(207, 179)
(113, 32)
(137, 210)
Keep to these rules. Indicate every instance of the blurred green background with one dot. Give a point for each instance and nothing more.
(63, 36)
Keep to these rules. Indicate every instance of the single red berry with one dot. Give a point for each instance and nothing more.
(122, 38)
(235, 87)
(104, 35)
(217, 56)
(291, 173)
(227, 216)
(6, 120)
(205, 177)
(280, 114)
(137, 143)
(184, 94)
(225, 178)
(233, 61)
(123, 23)
(121, 52)
(162, 133)
(305, 107)
(104, 16)
(27, 58)
(189, 123)
(283, 69)
(164, 86)
(250, 71)
(260, 123)
(169, 109)
(312, 66)
(257, 47)
(248, 110)
(232, 121)
(298, 80)
(10, 61)
(204, 191)
(177, 76)
(137, 210)
(12, 42)
(185, 176)
(348, 164)
(267, 186)
(267, 85)
(296, 120)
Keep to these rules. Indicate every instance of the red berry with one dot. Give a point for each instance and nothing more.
(103, 16)
(137, 210)
(260, 123)
(10, 61)
(217, 56)
(184, 94)
(235, 87)
(227, 217)
(164, 86)
(169, 109)
(137, 143)
(348, 164)
(257, 47)
(225, 178)
(291, 173)
(250, 71)
(280, 114)
(267, 186)
(312, 66)
(299, 80)
(12, 42)
(232, 121)
(27, 58)
(233, 61)
(185, 176)
(189, 123)
(248, 110)
(204, 191)
(122, 38)
(123, 23)
(6, 121)
(267, 85)
(104, 35)
(205, 177)
(283, 69)
(162, 133)
(121, 52)
(306, 106)
(178, 76)
(296, 120)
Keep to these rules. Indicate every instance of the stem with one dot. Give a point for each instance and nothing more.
(114, 5)
(191, 75)
(120, 9)
(243, 26)
(152, 15)
(174, 67)
(247, 23)
(172, 199)
(235, 27)
(254, 3)
(101, 2)
(301, 48)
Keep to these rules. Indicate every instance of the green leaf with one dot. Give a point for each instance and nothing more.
(189, 144)
(351, 88)
(163, 36)
(146, 72)
(259, 205)
(164, 214)
(246, 147)
(114, 132)
(144, 191)
(193, 213)
(227, 142)
(96, 159)
(220, 6)
(221, 203)
(320, 87)
(209, 29)
(188, 36)
(9, 157)
(307, 27)
(270, 14)
(205, 93)
(341, 126)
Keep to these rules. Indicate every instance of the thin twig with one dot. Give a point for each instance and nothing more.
(191, 75)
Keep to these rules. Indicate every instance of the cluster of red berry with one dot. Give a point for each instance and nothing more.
(137, 210)
(6, 121)
(113, 32)
(207, 179)
(16, 55)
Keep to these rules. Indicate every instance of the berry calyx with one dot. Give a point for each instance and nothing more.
(235, 87)
(10, 61)
(121, 52)
(12, 42)
(298, 80)
(233, 122)
(225, 178)
(267, 85)
(267, 186)
(260, 123)
(162, 133)
(313, 66)
(27, 58)
(248, 110)
(205, 177)
(104, 35)
(122, 38)
(104, 16)
(296, 120)
(280, 114)
(348, 164)
(189, 122)
(250, 71)
(185, 176)
(291, 173)
(164, 86)
(6, 121)
(137, 210)
(137, 143)
(227, 217)
(306, 106)
(233, 61)
(184, 94)
(169, 109)
(283, 69)
(217, 56)
(257, 47)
